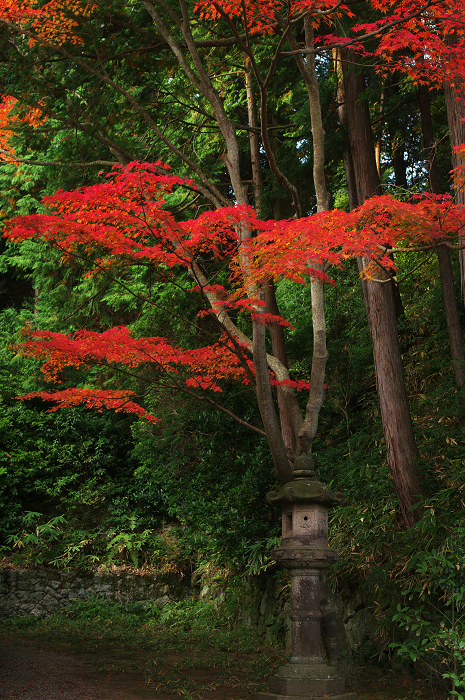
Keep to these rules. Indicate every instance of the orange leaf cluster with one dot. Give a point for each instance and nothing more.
(10, 120)
(56, 21)
(428, 47)
(5, 127)
(260, 15)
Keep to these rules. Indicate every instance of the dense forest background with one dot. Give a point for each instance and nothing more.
(123, 82)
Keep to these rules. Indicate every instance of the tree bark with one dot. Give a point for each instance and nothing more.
(288, 407)
(289, 410)
(455, 107)
(252, 112)
(342, 116)
(454, 330)
(402, 452)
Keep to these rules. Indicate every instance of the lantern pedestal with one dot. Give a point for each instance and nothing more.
(305, 553)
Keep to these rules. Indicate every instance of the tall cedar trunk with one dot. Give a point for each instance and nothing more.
(455, 107)
(342, 116)
(445, 267)
(257, 178)
(379, 133)
(401, 448)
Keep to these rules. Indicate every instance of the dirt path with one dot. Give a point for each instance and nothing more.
(31, 671)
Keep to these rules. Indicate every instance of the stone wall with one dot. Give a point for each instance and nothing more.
(45, 592)
(262, 606)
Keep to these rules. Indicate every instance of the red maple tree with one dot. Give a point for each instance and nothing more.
(124, 222)
(397, 33)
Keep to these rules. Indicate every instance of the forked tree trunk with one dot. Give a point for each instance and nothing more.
(402, 452)
(307, 68)
(289, 410)
(288, 407)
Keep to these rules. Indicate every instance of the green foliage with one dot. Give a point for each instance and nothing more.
(432, 613)
(225, 513)
(197, 620)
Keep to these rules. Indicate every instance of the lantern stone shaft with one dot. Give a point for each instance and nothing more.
(306, 554)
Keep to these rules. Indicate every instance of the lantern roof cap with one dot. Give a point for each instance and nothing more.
(305, 489)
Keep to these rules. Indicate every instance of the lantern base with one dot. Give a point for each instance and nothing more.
(274, 696)
(317, 681)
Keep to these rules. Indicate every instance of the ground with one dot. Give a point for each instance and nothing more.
(31, 669)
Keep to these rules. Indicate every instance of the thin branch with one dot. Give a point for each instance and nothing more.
(56, 163)
(394, 278)
(416, 249)
(323, 13)
(179, 387)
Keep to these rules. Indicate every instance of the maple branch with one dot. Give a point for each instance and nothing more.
(145, 299)
(201, 43)
(368, 35)
(414, 249)
(201, 81)
(291, 188)
(265, 402)
(323, 13)
(183, 389)
(119, 152)
(56, 163)
(182, 207)
(224, 410)
(393, 278)
(113, 147)
(263, 85)
(309, 75)
(178, 387)
(280, 371)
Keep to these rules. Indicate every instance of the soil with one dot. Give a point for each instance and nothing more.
(30, 670)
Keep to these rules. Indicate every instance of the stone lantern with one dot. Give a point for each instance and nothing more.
(305, 553)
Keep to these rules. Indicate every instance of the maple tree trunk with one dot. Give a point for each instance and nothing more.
(454, 330)
(320, 355)
(290, 415)
(198, 76)
(307, 68)
(288, 407)
(402, 452)
(265, 402)
(289, 410)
